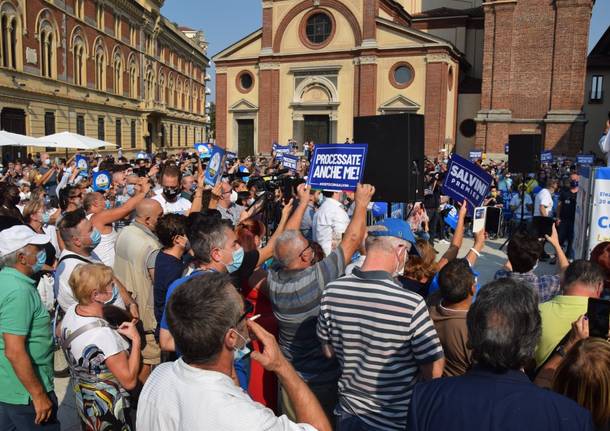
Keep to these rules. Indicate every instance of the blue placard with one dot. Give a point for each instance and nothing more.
(203, 149)
(82, 164)
(101, 181)
(214, 170)
(231, 155)
(397, 210)
(546, 157)
(142, 156)
(281, 149)
(466, 180)
(290, 162)
(505, 148)
(452, 217)
(476, 155)
(585, 159)
(337, 167)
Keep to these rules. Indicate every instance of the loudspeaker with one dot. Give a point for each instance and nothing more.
(524, 153)
(395, 158)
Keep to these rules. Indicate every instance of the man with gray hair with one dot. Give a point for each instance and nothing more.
(503, 329)
(27, 400)
(295, 289)
(380, 332)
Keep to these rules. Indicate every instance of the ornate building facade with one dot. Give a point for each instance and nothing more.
(467, 66)
(111, 69)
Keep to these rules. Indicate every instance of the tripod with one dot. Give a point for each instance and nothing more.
(522, 224)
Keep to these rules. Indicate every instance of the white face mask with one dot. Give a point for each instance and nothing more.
(233, 196)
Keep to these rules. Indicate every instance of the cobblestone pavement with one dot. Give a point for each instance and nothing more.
(492, 258)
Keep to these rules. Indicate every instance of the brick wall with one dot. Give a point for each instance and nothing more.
(221, 109)
(368, 89)
(436, 107)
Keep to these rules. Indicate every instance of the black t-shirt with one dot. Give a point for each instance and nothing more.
(567, 199)
(246, 269)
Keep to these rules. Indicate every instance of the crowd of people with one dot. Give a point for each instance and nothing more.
(261, 303)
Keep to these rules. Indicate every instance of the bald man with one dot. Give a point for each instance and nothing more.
(137, 247)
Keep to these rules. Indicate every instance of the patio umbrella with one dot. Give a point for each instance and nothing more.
(15, 139)
(76, 141)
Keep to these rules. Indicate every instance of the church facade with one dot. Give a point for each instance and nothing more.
(314, 65)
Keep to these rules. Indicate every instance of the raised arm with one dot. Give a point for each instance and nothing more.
(562, 260)
(353, 236)
(198, 199)
(458, 237)
(267, 251)
(294, 223)
(109, 216)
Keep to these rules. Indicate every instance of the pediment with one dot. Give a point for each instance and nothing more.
(400, 103)
(243, 106)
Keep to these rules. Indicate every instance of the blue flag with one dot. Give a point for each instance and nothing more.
(101, 181)
(466, 180)
(214, 170)
(337, 167)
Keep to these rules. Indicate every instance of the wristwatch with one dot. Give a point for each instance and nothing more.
(561, 351)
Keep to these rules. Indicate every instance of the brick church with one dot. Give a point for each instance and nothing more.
(477, 71)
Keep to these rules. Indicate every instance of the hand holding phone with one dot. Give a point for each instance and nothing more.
(598, 314)
(478, 219)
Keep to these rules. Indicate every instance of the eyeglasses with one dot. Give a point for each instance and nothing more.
(248, 308)
(305, 249)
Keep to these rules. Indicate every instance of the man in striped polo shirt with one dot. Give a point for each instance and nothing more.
(380, 333)
(295, 287)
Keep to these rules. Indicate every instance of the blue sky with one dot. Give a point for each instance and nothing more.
(227, 21)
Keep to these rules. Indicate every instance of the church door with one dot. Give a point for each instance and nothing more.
(317, 129)
(245, 138)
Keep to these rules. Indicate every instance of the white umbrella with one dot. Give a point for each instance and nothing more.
(15, 139)
(76, 141)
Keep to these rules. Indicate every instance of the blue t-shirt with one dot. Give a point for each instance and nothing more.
(170, 290)
(167, 270)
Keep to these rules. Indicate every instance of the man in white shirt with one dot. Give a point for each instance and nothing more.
(80, 238)
(207, 319)
(227, 206)
(543, 203)
(169, 196)
(330, 222)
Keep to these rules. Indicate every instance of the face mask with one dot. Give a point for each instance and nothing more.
(238, 258)
(114, 297)
(45, 218)
(47, 201)
(233, 196)
(131, 189)
(41, 258)
(47, 162)
(24, 196)
(170, 193)
(573, 184)
(107, 204)
(239, 353)
(96, 237)
(250, 201)
(193, 188)
(320, 199)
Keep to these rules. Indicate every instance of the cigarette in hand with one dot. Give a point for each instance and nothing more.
(253, 318)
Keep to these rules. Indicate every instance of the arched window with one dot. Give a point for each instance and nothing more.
(161, 88)
(170, 91)
(79, 8)
(48, 48)
(10, 43)
(149, 84)
(118, 73)
(178, 104)
(187, 97)
(79, 53)
(133, 79)
(100, 67)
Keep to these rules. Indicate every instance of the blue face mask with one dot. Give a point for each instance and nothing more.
(107, 204)
(320, 199)
(131, 189)
(240, 353)
(114, 297)
(41, 258)
(96, 237)
(238, 258)
(45, 218)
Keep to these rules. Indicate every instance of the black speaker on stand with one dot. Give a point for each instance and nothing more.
(395, 158)
(524, 153)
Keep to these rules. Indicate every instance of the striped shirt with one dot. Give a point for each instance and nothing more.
(380, 334)
(295, 299)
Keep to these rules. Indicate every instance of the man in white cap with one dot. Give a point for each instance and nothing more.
(27, 400)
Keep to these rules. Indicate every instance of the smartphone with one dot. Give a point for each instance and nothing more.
(478, 219)
(542, 226)
(598, 312)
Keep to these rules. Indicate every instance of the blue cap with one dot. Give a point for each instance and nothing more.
(393, 227)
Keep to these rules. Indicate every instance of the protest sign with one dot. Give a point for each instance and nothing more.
(466, 180)
(546, 157)
(290, 162)
(476, 155)
(231, 155)
(81, 163)
(142, 156)
(214, 170)
(337, 167)
(585, 159)
(281, 149)
(203, 149)
(101, 181)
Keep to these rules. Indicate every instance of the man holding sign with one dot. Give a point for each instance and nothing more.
(334, 169)
(466, 180)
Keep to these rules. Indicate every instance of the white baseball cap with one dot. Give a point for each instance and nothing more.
(16, 237)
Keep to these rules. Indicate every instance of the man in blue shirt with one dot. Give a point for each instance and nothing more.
(503, 329)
